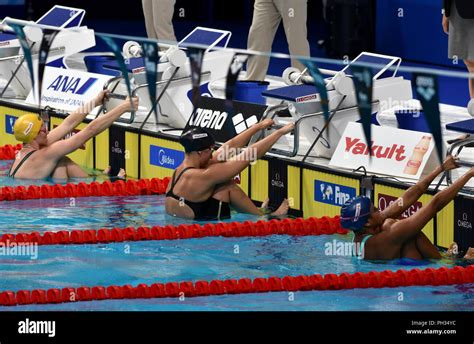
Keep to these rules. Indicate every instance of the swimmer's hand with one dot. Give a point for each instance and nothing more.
(265, 124)
(450, 163)
(128, 106)
(288, 128)
(101, 97)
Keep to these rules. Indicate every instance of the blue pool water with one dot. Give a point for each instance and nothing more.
(191, 260)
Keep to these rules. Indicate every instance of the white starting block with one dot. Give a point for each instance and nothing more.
(72, 38)
(304, 102)
(174, 90)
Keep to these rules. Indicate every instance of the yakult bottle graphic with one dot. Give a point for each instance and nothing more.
(414, 163)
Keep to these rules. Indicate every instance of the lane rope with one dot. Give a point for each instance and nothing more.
(344, 281)
(295, 227)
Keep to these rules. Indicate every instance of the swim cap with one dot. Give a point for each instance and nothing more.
(27, 127)
(355, 213)
(196, 139)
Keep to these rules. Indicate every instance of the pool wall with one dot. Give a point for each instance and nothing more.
(313, 190)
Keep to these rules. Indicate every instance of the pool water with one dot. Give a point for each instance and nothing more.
(151, 262)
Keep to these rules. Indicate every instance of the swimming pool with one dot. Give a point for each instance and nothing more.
(209, 258)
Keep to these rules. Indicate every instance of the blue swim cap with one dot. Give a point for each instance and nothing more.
(355, 213)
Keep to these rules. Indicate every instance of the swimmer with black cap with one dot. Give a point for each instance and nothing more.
(202, 187)
(380, 234)
(43, 154)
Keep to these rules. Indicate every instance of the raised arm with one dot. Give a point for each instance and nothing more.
(63, 147)
(396, 209)
(240, 140)
(408, 228)
(75, 118)
(223, 172)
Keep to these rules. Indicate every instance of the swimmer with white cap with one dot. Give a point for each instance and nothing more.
(381, 235)
(44, 153)
(202, 187)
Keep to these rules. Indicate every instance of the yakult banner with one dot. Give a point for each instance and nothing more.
(66, 89)
(395, 152)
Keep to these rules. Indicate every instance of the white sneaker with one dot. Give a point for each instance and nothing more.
(470, 107)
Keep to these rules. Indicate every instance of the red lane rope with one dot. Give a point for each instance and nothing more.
(296, 227)
(153, 186)
(373, 279)
(8, 152)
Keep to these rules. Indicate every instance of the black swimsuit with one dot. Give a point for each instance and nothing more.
(12, 174)
(211, 209)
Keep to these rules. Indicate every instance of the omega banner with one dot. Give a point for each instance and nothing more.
(395, 152)
(211, 114)
(463, 222)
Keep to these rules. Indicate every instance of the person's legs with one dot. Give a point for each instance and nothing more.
(163, 11)
(426, 248)
(73, 169)
(148, 13)
(262, 33)
(470, 68)
(410, 250)
(236, 197)
(294, 14)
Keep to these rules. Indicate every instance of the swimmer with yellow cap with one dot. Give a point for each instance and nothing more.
(44, 153)
(382, 235)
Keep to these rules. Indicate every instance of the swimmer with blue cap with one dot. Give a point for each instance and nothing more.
(383, 235)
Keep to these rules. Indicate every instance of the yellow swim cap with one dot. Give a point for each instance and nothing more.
(27, 127)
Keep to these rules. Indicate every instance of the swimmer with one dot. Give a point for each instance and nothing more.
(44, 153)
(382, 236)
(202, 187)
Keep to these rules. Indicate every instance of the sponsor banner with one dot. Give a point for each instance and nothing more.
(67, 89)
(384, 201)
(117, 149)
(395, 152)
(333, 194)
(165, 157)
(463, 223)
(74, 132)
(9, 123)
(211, 114)
(277, 182)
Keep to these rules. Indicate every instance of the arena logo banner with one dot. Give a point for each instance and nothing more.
(232, 75)
(277, 182)
(117, 149)
(46, 42)
(463, 223)
(320, 85)
(427, 91)
(362, 77)
(196, 56)
(151, 58)
(26, 49)
(211, 114)
(121, 62)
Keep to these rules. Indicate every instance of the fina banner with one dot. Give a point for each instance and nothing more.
(121, 62)
(427, 91)
(26, 50)
(46, 42)
(151, 57)
(320, 85)
(196, 56)
(232, 75)
(67, 89)
(211, 114)
(395, 152)
(362, 77)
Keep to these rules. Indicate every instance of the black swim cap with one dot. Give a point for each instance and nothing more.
(196, 139)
